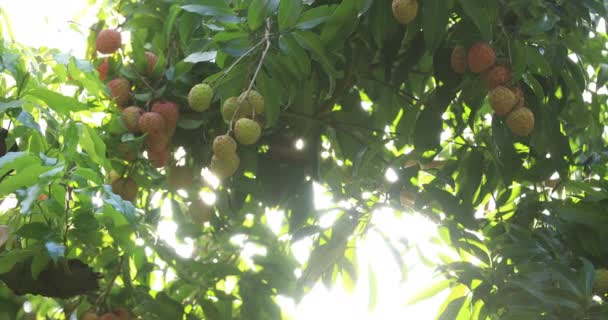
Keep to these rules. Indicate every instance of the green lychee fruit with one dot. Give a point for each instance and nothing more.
(247, 131)
(502, 100)
(153, 124)
(224, 145)
(226, 166)
(130, 116)
(521, 121)
(600, 282)
(255, 101)
(120, 90)
(170, 112)
(199, 98)
(108, 41)
(405, 11)
(116, 126)
(126, 188)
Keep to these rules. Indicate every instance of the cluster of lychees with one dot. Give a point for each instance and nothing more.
(506, 100)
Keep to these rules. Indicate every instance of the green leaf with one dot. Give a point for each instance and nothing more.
(22, 178)
(40, 261)
(58, 102)
(481, 14)
(218, 9)
(289, 13)
(314, 17)
(434, 21)
(258, 11)
(197, 57)
(429, 292)
(10, 258)
(35, 230)
(93, 145)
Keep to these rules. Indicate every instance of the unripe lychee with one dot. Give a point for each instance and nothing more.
(254, 100)
(120, 90)
(116, 126)
(181, 177)
(521, 121)
(458, 59)
(200, 212)
(126, 188)
(200, 96)
(4, 234)
(229, 107)
(157, 143)
(151, 60)
(122, 314)
(226, 166)
(600, 282)
(405, 11)
(108, 41)
(497, 76)
(153, 124)
(103, 68)
(126, 151)
(170, 112)
(130, 116)
(481, 57)
(502, 100)
(160, 158)
(108, 316)
(224, 145)
(89, 315)
(247, 131)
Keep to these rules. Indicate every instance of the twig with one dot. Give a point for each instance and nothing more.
(239, 59)
(111, 283)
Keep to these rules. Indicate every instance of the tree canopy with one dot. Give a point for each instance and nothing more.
(487, 116)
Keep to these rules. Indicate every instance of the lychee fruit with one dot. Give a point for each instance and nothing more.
(502, 100)
(254, 100)
(130, 116)
(180, 177)
(170, 112)
(103, 68)
(226, 166)
(405, 11)
(157, 143)
(200, 212)
(126, 188)
(108, 41)
(153, 124)
(200, 96)
(89, 315)
(519, 96)
(116, 126)
(113, 176)
(108, 316)
(160, 158)
(229, 107)
(151, 60)
(122, 314)
(247, 131)
(120, 90)
(126, 151)
(458, 59)
(521, 121)
(600, 282)
(481, 57)
(224, 145)
(496, 76)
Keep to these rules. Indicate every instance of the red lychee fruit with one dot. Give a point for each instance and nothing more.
(126, 151)
(481, 57)
(122, 314)
(89, 315)
(157, 143)
(108, 41)
(170, 112)
(459, 59)
(103, 69)
(152, 123)
(151, 60)
(159, 159)
(126, 188)
(120, 89)
(497, 76)
(130, 116)
(108, 316)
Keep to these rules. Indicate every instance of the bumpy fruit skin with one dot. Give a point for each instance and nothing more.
(122, 314)
(170, 112)
(247, 131)
(120, 89)
(502, 100)
(521, 121)
(458, 59)
(108, 41)
(405, 11)
(89, 315)
(254, 101)
(108, 316)
(151, 60)
(481, 57)
(229, 107)
(224, 167)
(157, 143)
(200, 212)
(130, 116)
(153, 124)
(224, 145)
(519, 97)
(103, 68)
(600, 282)
(199, 98)
(159, 159)
(497, 76)
(126, 188)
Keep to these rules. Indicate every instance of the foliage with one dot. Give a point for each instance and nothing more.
(524, 215)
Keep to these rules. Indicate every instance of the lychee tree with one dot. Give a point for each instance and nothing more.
(491, 114)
